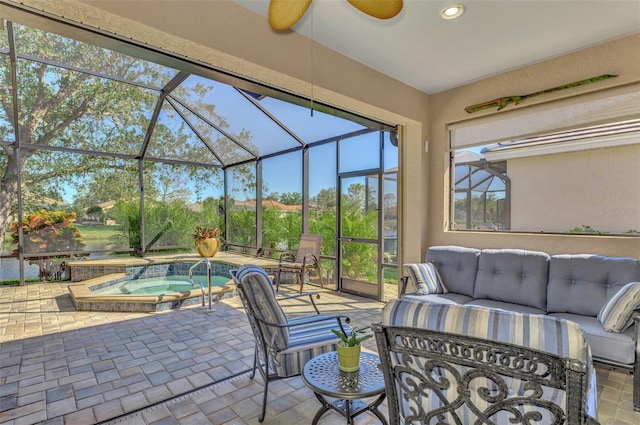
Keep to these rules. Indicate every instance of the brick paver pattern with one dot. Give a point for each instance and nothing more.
(187, 366)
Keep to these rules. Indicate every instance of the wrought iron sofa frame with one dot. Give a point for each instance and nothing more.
(494, 360)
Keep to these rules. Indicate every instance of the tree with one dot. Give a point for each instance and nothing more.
(63, 107)
(390, 206)
(325, 200)
(111, 179)
(95, 214)
(291, 198)
(96, 112)
(358, 199)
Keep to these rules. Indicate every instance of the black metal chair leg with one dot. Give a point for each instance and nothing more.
(255, 363)
(301, 280)
(264, 397)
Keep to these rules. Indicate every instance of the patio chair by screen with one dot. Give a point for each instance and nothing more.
(283, 345)
(302, 262)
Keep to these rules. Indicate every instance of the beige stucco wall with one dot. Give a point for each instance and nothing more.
(620, 57)
(599, 188)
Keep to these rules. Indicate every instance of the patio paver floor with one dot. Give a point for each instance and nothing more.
(187, 366)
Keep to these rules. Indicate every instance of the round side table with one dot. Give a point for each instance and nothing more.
(322, 375)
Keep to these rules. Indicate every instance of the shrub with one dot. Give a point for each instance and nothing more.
(47, 232)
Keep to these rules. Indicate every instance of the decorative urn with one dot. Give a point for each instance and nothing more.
(206, 241)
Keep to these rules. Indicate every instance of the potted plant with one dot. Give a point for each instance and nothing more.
(207, 242)
(349, 349)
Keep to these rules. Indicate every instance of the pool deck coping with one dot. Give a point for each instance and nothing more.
(80, 292)
(232, 258)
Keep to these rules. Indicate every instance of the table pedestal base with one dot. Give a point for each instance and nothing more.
(349, 408)
(349, 390)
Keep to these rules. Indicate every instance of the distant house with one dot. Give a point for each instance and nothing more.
(103, 213)
(106, 206)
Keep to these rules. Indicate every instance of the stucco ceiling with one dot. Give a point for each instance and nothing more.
(421, 50)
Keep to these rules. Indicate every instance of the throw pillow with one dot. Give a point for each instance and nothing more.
(616, 314)
(426, 278)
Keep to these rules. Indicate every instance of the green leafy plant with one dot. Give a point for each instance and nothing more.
(46, 233)
(353, 339)
(585, 228)
(206, 232)
(242, 226)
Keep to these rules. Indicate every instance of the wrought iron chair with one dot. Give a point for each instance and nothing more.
(301, 263)
(451, 364)
(283, 345)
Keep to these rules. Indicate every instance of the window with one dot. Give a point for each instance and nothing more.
(567, 167)
(481, 193)
(281, 203)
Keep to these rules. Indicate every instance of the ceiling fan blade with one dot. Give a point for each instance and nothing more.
(381, 9)
(283, 14)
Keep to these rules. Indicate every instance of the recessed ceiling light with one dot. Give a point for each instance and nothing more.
(452, 12)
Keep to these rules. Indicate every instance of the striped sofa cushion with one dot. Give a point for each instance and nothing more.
(615, 315)
(539, 332)
(535, 331)
(425, 278)
(259, 291)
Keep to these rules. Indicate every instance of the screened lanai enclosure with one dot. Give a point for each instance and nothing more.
(109, 149)
(482, 192)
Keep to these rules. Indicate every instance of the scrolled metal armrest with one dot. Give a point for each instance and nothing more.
(311, 319)
(304, 294)
(287, 257)
(310, 260)
(308, 319)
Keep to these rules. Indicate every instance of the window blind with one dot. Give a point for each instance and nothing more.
(603, 106)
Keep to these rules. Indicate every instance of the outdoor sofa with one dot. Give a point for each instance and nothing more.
(599, 293)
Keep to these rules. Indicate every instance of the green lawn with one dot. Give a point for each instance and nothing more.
(97, 232)
(11, 282)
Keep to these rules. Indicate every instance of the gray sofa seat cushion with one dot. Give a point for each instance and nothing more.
(448, 298)
(591, 279)
(617, 347)
(513, 276)
(457, 266)
(501, 305)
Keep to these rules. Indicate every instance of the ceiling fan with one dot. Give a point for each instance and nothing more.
(283, 14)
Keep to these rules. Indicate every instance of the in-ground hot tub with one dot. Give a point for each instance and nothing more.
(153, 287)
